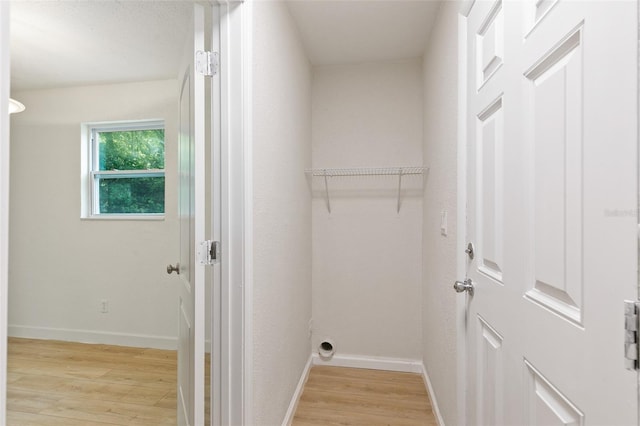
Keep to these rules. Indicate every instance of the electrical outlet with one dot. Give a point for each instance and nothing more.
(104, 306)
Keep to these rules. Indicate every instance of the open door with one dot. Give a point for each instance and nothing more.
(4, 198)
(552, 195)
(191, 271)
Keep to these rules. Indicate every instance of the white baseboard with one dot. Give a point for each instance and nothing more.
(432, 395)
(371, 362)
(293, 405)
(91, 336)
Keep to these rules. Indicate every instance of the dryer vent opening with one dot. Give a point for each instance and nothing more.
(326, 346)
(326, 349)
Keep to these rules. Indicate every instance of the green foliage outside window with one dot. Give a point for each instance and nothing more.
(131, 150)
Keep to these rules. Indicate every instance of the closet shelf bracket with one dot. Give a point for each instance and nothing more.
(326, 191)
(399, 189)
(365, 171)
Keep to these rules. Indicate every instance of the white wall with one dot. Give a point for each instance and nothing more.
(281, 211)
(439, 252)
(366, 255)
(61, 266)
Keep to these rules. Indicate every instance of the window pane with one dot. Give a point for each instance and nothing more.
(131, 150)
(131, 195)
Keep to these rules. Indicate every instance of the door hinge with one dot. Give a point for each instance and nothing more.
(207, 63)
(631, 355)
(209, 252)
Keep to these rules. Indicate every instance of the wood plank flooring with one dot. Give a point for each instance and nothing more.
(74, 384)
(350, 396)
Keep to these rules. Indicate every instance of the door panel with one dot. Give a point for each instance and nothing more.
(546, 405)
(536, 11)
(490, 44)
(588, 50)
(489, 209)
(490, 370)
(555, 117)
(551, 209)
(191, 218)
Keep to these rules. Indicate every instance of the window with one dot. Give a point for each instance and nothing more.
(126, 170)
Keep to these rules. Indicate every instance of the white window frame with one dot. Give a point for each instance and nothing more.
(92, 173)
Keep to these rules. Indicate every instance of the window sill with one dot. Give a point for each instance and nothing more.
(159, 217)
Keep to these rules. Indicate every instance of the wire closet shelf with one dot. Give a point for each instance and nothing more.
(368, 171)
(326, 173)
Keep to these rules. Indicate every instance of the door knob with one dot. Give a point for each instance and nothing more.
(171, 268)
(462, 286)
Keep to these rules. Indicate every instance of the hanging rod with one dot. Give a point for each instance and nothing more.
(365, 171)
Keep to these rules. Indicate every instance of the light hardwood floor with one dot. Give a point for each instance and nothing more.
(73, 384)
(350, 396)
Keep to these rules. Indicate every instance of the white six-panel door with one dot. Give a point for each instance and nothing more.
(552, 167)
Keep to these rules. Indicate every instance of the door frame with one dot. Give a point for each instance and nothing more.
(461, 308)
(4, 198)
(233, 148)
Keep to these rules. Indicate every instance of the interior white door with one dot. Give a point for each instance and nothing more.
(552, 169)
(4, 199)
(191, 331)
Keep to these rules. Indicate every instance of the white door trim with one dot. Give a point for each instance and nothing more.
(236, 222)
(247, 204)
(219, 394)
(461, 338)
(4, 199)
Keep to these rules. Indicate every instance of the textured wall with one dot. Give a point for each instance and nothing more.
(439, 252)
(281, 210)
(62, 266)
(366, 255)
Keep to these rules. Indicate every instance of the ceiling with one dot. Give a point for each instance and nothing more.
(64, 43)
(351, 31)
(57, 43)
